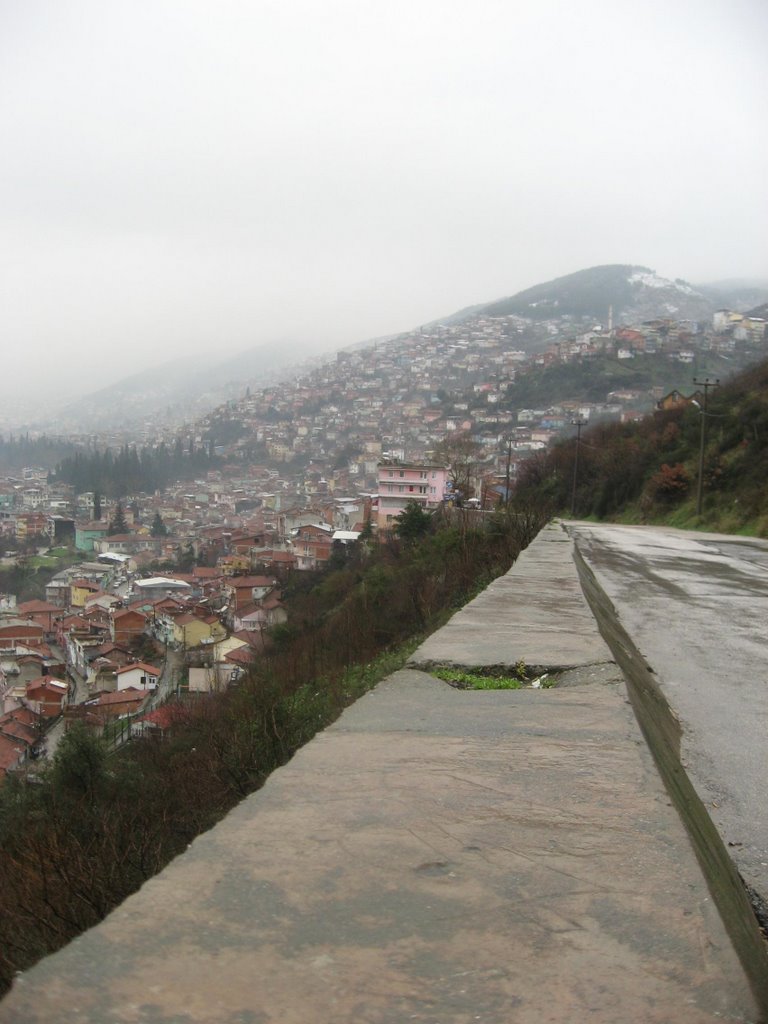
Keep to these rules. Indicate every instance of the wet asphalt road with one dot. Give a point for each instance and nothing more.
(696, 605)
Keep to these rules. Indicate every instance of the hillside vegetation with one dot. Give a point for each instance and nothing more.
(647, 472)
(592, 380)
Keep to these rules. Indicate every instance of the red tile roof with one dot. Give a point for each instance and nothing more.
(248, 609)
(250, 581)
(70, 621)
(86, 585)
(12, 751)
(29, 607)
(241, 656)
(25, 715)
(13, 729)
(150, 669)
(44, 681)
(119, 613)
(167, 716)
(128, 696)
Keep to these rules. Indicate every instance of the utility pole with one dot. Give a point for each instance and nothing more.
(706, 384)
(507, 478)
(578, 423)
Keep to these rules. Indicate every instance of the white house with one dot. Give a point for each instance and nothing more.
(138, 676)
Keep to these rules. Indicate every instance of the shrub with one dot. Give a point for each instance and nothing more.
(670, 483)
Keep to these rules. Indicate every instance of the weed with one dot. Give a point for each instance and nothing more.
(473, 681)
(464, 680)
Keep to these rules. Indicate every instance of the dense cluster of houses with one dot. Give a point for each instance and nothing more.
(313, 463)
(327, 431)
(98, 647)
(319, 440)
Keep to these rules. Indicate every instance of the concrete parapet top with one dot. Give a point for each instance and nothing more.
(535, 613)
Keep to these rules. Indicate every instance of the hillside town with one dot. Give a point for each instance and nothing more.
(177, 591)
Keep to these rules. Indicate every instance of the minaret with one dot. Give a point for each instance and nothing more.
(610, 318)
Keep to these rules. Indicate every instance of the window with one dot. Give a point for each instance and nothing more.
(402, 473)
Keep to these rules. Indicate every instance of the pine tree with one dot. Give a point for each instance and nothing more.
(413, 522)
(118, 524)
(159, 529)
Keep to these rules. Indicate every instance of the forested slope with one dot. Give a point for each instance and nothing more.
(649, 471)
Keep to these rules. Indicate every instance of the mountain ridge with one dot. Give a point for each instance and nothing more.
(175, 392)
(624, 290)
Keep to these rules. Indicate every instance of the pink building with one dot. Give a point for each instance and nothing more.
(401, 482)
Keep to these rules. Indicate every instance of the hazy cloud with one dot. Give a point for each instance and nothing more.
(182, 175)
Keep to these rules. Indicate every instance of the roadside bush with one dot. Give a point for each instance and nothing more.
(668, 485)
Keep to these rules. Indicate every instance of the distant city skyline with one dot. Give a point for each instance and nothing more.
(178, 184)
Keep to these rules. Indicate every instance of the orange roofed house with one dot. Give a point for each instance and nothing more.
(47, 696)
(125, 624)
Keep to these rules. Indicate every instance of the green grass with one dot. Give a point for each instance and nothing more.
(42, 562)
(474, 681)
(52, 559)
(494, 680)
(359, 679)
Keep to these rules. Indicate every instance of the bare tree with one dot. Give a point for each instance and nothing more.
(460, 453)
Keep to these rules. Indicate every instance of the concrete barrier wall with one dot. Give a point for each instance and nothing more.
(662, 733)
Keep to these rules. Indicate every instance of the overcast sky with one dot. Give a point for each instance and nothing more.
(204, 177)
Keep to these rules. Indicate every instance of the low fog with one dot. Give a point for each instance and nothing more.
(181, 178)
